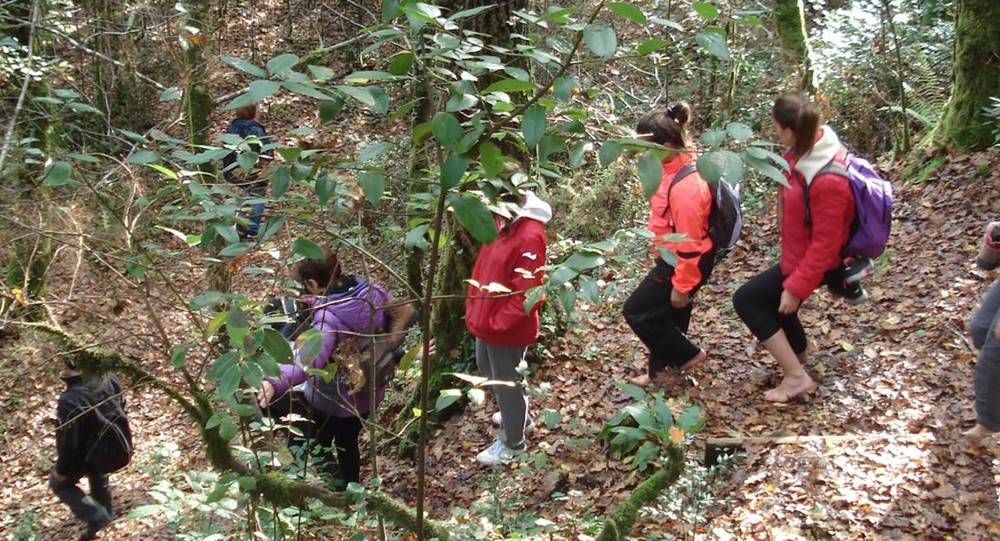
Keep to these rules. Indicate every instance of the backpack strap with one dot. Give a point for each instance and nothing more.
(834, 167)
(685, 171)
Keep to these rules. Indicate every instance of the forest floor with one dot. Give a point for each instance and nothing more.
(895, 375)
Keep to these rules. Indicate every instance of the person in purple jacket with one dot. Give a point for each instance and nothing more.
(348, 311)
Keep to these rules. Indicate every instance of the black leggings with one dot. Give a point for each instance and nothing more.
(660, 326)
(327, 430)
(757, 304)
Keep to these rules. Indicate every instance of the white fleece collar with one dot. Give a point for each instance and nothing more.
(822, 153)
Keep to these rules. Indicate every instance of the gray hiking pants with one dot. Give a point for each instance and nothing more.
(500, 363)
(988, 366)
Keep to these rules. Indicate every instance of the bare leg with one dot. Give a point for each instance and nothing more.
(978, 433)
(695, 361)
(795, 380)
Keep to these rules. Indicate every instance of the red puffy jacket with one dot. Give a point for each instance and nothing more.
(807, 253)
(512, 261)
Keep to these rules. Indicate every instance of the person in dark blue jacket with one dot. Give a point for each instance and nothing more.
(245, 125)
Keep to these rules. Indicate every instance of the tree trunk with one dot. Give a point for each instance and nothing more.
(198, 103)
(975, 79)
(791, 24)
(451, 339)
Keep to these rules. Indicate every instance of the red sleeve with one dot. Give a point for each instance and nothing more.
(690, 206)
(526, 275)
(830, 203)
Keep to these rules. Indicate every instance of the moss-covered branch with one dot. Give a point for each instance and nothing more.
(272, 486)
(791, 25)
(621, 520)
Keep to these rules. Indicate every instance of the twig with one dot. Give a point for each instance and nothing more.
(9, 137)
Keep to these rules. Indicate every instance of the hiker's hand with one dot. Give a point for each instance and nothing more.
(989, 231)
(431, 349)
(265, 395)
(57, 477)
(996, 331)
(678, 299)
(789, 303)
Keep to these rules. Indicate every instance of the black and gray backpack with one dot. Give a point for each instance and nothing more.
(725, 222)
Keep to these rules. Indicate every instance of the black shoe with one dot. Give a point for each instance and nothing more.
(855, 294)
(94, 527)
(856, 270)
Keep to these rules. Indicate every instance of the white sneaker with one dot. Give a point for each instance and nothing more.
(497, 418)
(498, 453)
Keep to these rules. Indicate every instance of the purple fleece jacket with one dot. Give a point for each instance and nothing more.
(339, 317)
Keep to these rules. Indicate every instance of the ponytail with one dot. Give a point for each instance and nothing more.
(666, 127)
(795, 111)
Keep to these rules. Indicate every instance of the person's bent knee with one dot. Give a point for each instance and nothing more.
(744, 305)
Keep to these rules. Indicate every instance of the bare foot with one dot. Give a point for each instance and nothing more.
(790, 388)
(695, 361)
(641, 381)
(978, 433)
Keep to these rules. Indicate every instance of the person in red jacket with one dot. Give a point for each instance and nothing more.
(659, 310)
(810, 255)
(495, 314)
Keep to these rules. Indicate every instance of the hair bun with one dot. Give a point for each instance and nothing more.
(680, 112)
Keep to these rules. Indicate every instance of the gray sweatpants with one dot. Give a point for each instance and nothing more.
(988, 367)
(499, 363)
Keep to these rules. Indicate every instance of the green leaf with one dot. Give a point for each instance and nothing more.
(532, 297)
(308, 90)
(582, 261)
(714, 43)
(474, 217)
(170, 94)
(235, 250)
(491, 158)
(244, 66)
(84, 108)
(609, 152)
(322, 73)
(578, 153)
(663, 416)
(273, 225)
(237, 326)
(390, 9)
(691, 420)
(227, 429)
(230, 381)
(706, 10)
(510, 85)
(472, 12)
(650, 173)
(400, 63)
(633, 391)
(165, 171)
(533, 125)
(324, 188)
(258, 90)
(601, 40)
(630, 12)
(765, 168)
(651, 45)
(713, 138)
(416, 238)
(309, 249)
(373, 185)
(282, 63)
(739, 132)
(446, 130)
(562, 88)
(57, 174)
(452, 170)
(276, 346)
(447, 398)
(371, 152)
(329, 109)
(280, 181)
(361, 94)
(143, 156)
(178, 356)
(721, 164)
(551, 418)
(208, 298)
(83, 157)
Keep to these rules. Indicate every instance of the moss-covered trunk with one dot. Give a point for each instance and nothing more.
(789, 18)
(975, 79)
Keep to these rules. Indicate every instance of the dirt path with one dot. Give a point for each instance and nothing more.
(896, 372)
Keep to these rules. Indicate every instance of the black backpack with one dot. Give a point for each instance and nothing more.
(725, 221)
(109, 439)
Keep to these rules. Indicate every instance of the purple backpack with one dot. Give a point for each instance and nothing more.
(872, 206)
